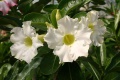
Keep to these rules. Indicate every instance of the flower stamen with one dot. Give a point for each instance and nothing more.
(28, 41)
(68, 39)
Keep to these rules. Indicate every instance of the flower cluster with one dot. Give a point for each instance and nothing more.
(69, 41)
(72, 38)
(6, 4)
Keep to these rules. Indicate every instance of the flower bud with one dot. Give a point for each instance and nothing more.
(58, 15)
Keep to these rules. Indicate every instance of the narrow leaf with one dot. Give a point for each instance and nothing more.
(117, 19)
(103, 54)
(34, 64)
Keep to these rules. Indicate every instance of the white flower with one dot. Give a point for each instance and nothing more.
(6, 4)
(69, 41)
(96, 26)
(25, 42)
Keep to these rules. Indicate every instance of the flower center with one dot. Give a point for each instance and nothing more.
(91, 26)
(28, 41)
(68, 39)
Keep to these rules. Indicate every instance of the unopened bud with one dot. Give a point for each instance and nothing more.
(58, 15)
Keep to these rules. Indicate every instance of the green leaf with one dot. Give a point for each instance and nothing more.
(36, 17)
(43, 50)
(79, 15)
(103, 54)
(117, 19)
(34, 64)
(38, 20)
(49, 64)
(69, 71)
(5, 69)
(91, 68)
(114, 63)
(63, 3)
(25, 6)
(73, 5)
(53, 18)
(50, 8)
(14, 71)
(112, 76)
(38, 6)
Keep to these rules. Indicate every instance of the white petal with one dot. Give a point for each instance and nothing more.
(92, 16)
(78, 49)
(17, 35)
(96, 39)
(67, 24)
(28, 29)
(4, 7)
(63, 53)
(21, 52)
(84, 35)
(53, 38)
(36, 42)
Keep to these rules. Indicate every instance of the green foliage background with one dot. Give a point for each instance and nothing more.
(103, 63)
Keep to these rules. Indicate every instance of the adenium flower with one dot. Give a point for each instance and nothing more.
(25, 42)
(96, 26)
(69, 41)
(6, 4)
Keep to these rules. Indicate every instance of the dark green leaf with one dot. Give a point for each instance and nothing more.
(25, 6)
(49, 64)
(91, 69)
(112, 76)
(50, 8)
(69, 71)
(5, 69)
(34, 64)
(114, 63)
(14, 71)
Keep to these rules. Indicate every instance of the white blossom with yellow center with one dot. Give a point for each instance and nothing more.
(69, 41)
(6, 4)
(25, 42)
(96, 26)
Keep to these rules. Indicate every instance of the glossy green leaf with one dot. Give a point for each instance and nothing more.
(49, 64)
(38, 20)
(63, 3)
(50, 8)
(73, 5)
(103, 54)
(69, 71)
(36, 17)
(34, 64)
